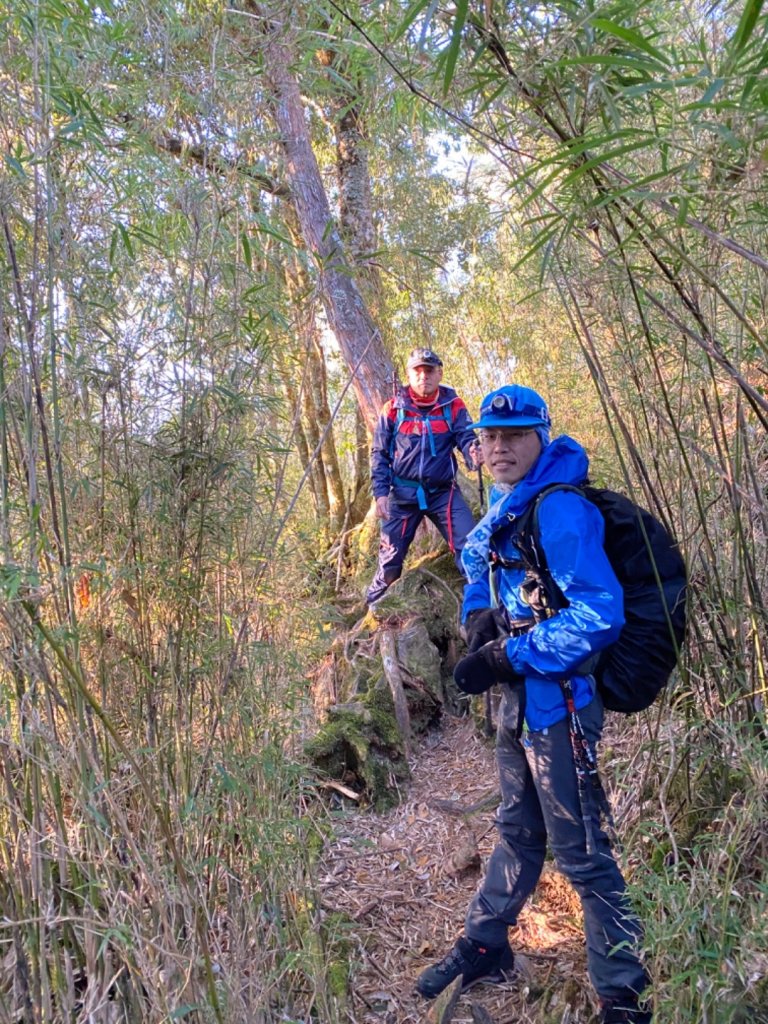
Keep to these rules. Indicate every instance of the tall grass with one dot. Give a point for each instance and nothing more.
(692, 809)
(128, 895)
(157, 831)
(156, 835)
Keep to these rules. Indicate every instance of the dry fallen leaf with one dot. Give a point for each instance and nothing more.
(466, 857)
(387, 841)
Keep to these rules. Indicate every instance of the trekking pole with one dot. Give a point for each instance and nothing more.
(480, 481)
(395, 381)
(489, 730)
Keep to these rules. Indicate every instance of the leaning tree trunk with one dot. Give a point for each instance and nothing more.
(353, 176)
(317, 416)
(358, 337)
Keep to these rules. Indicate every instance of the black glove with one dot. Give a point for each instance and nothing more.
(483, 625)
(480, 670)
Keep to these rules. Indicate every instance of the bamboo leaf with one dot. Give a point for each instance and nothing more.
(615, 60)
(491, 98)
(638, 188)
(426, 257)
(184, 1011)
(542, 239)
(452, 54)
(746, 26)
(72, 127)
(247, 250)
(427, 21)
(565, 155)
(15, 165)
(265, 227)
(660, 85)
(682, 211)
(724, 133)
(714, 88)
(628, 35)
(587, 165)
(410, 16)
(126, 239)
(113, 247)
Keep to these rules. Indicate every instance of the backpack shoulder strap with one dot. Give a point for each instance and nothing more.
(527, 534)
(448, 414)
(545, 595)
(531, 524)
(396, 426)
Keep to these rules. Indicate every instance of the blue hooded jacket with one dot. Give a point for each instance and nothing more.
(572, 532)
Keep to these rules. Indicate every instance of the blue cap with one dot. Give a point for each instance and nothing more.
(514, 406)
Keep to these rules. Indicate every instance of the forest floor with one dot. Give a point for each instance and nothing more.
(405, 878)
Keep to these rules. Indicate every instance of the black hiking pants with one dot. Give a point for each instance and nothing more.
(540, 801)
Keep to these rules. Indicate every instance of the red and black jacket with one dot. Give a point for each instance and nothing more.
(413, 445)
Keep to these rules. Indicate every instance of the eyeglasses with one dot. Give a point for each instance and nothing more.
(505, 435)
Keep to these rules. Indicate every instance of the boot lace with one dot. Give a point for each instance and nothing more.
(454, 959)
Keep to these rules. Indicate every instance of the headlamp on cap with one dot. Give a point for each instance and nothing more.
(423, 357)
(513, 406)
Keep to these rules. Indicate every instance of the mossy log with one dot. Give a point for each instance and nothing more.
(393, 675)
(387, 678)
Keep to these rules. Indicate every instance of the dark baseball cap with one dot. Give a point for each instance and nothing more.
(423, 357)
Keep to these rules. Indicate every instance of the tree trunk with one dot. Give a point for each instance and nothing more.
(317, 395)
(304, 446)
(358, 336)
(355, 202)
(360, 494)
(316, 410)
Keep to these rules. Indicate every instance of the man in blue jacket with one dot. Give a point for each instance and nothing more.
(413, 466)
(550, 707)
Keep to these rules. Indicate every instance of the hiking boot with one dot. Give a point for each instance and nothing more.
(623, 1011)
(473, 961)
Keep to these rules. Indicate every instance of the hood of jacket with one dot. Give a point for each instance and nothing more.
(563, 461)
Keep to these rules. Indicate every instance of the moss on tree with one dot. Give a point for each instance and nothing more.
(359, 742)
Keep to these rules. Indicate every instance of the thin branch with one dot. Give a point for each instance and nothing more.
(220, 164)
(205, 157)
(692, 222)
(242, 630)
(496, 47)
(478, 133)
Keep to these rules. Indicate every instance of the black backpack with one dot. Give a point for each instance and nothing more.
(647, 561)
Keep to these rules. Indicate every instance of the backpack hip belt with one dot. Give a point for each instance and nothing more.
(421, 489)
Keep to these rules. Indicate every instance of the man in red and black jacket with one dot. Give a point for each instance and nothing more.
(413, 466)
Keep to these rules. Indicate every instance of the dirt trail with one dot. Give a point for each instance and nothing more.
(406, 877)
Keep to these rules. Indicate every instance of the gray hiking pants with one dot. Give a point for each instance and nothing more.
(540, 800)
